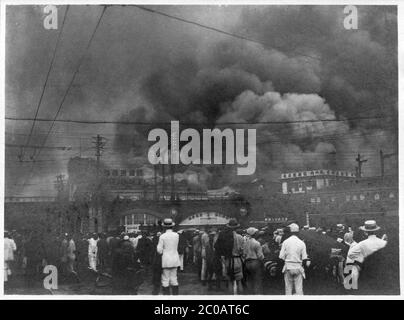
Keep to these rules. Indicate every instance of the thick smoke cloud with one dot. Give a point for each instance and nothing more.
(148, 68)
(307, 68)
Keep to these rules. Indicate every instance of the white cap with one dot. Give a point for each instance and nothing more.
(126, 238)
(294, 227)
(251, 231)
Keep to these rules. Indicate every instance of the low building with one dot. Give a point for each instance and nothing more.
(309, 180)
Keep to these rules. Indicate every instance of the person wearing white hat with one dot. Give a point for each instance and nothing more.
(368, 246)
(253, 258)
(293, 252)
(168, 248)
(358, 253)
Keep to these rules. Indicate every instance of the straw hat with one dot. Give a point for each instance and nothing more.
(233, 224)
(251, 231)
(370, 225)
(294, 227)
(168, 223)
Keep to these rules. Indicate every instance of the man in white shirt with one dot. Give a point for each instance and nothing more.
(358, 253)
(168, 247)
(365, 248)
(92, 252)
(9, 249)
(293, 252)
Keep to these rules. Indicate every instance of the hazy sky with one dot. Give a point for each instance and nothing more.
(141, 66)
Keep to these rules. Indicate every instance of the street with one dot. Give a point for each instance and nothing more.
(188, 280)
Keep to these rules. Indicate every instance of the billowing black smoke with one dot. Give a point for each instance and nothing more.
(307, 68)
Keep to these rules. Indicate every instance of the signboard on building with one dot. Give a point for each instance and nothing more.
(205, 218)
(132, 228)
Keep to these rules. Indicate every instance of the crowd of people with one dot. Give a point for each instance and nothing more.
(229, 259)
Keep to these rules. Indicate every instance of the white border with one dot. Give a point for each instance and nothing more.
(400, 21)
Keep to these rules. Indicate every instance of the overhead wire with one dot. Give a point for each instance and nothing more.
(68, 89)
(46, 79)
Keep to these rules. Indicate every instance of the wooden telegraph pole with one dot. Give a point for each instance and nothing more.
(360, 161)
(99, 144)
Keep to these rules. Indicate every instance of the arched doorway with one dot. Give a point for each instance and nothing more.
(206, 219)
(137, 219)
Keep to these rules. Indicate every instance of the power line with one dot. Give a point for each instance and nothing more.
(74, 76)
(194, 123)
(46, 80)
(12, 145)
(233, 35)
(68, 88)
(331, 136)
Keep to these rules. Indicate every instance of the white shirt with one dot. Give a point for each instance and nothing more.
(9, 248)
(351, 245)
(92, 246)
(134, 242)
(168, 246)
(365, 248)
(293, 252)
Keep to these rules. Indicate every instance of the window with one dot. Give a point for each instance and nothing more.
(377, 196)
(318, 199)
(354, 197)
(132, 173)
(123, 172)
(348, 198)
(332, 199)
(391, 195)
(115, 173)
(313, 200)
(106, 173)
(362, 197)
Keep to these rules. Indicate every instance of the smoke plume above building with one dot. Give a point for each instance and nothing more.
(294, 65)
(306, 67)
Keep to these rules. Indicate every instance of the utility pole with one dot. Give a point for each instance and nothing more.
(99, 144)
(163, 182)
(382, 157)
(172, 181)
(155, 183)
(360, 161)
(60, 184)
(171, 169)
